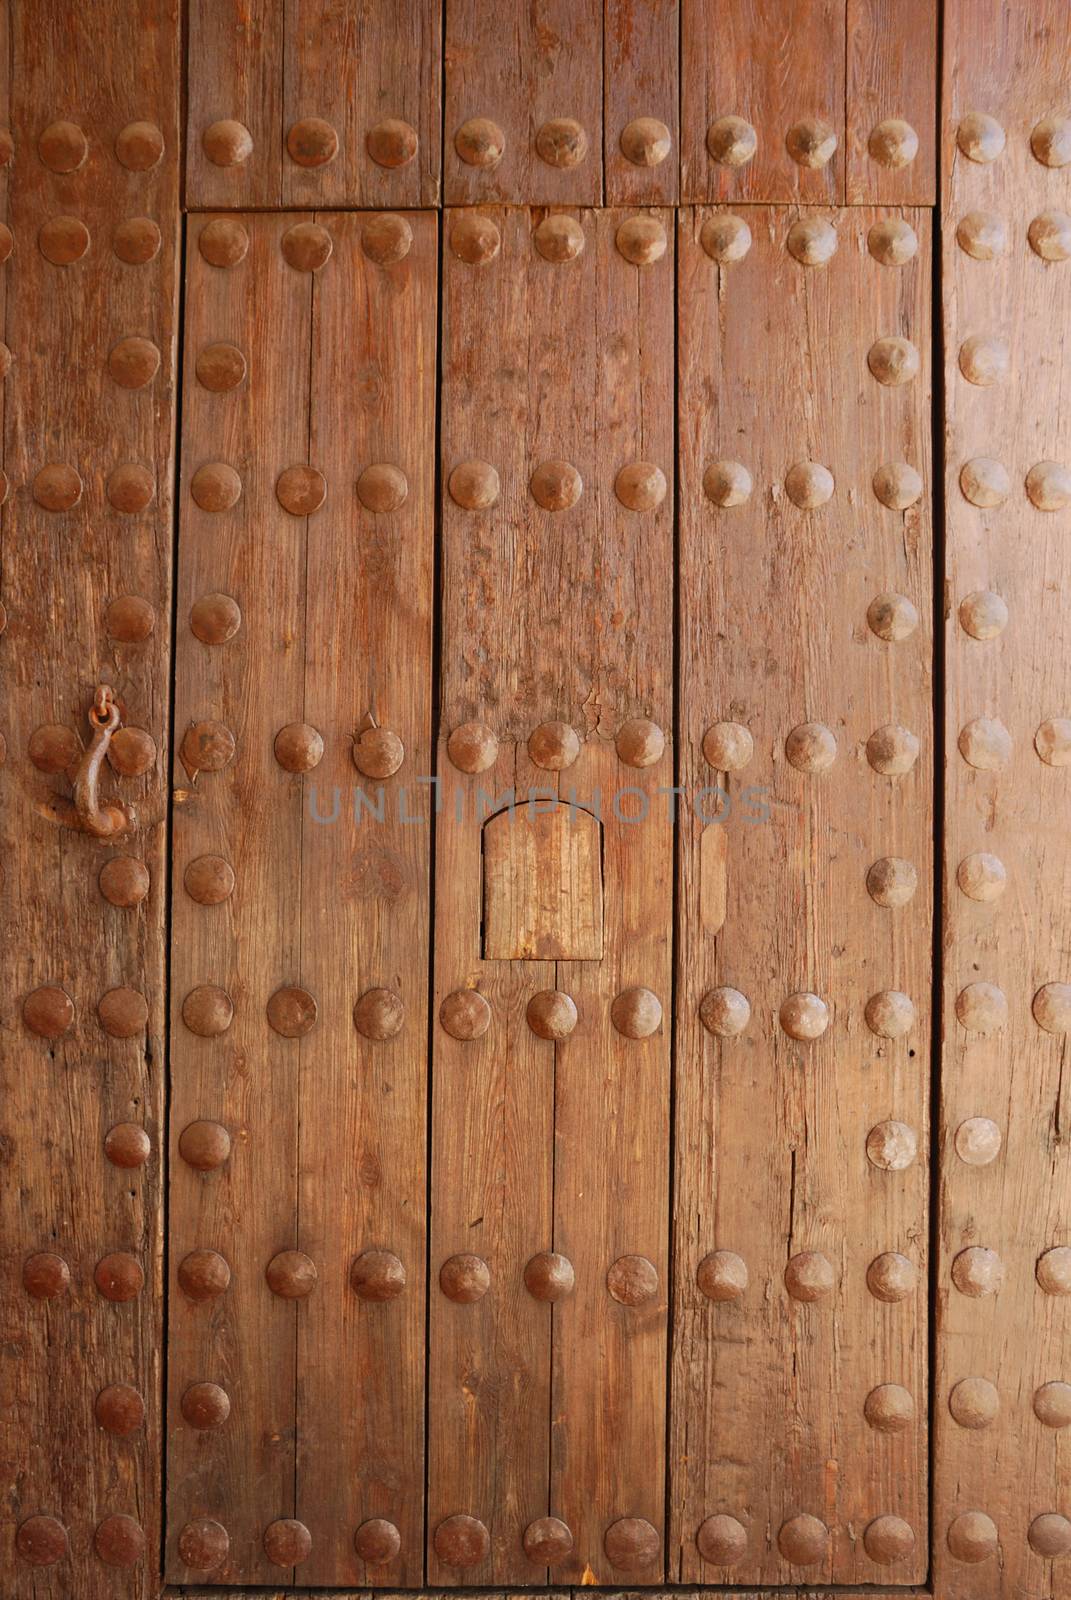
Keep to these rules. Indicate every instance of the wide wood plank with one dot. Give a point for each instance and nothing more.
(90, 234)
(234, 114)
(802, 977)
(891, 102)
(1003, 1379)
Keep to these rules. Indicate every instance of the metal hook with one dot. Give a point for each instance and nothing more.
(85, 813)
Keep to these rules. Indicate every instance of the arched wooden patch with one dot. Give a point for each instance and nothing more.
(542, 885)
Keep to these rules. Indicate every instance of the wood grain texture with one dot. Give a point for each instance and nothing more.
(354, 65)
(520, 68)
(641, 49)
(1011, 1467)
(768, 1390)
(62, 570)
(891, 76)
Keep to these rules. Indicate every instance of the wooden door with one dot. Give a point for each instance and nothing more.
(534, 711)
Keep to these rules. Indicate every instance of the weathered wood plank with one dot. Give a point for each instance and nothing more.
(797, 690)
(86, 600)
(1003, 1319)
(234, 116)
(891, 81)
(641, 94)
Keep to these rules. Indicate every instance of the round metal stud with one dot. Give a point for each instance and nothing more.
(461, 1542)
(45, 1275)
(892, 750)
(130, 488)
(123, 1013)
(207, 747)
(133, 362)
(391, 143)
(978, 1141)
(809, 485)
(636, 1013)
(641, 486)
(220, 368)
(377, 1275)
(889, 1408)
(475, 238)
(982, 235)
(561, 143)
(472, 747)
(983, 615)
(892, 242)
(631, 1543)
(982, 876)
(1052, 1007)
(721, 1540)
(464, 1278)
(722, 1275)
(139, 146)
(1050, 141)
(208, 1011)
(890, 1014)
(62, 240)
(474, 485)
(137, 241)
(41, 1541)
(378, 753)
(803, 1540)
(1052, 741)
(127, 1145)
(1050, 235)
(632, 1280)
(216, 486)
(891, 1277)
(725, 1012)
(301, 490)
(203, 1545)
(203, 1274)
(63, 147)
(728, 746)
(982, 1008)
(640, 742)
(1053, 1270)
(732, 141)
(1052, 1405)
(307, 246)
(642, 240)
(292, 1012)
(812, 241)
(725, 238)
(382, 487)
(978, 1272)
(556, 485)
(209, 880)
(53, 748)
(480, 142)
(215, 618)
(645, 142)
(985, 744)
(48, 1012)
(1049, 1535)
(888, 1539)
(223, 242)
(553, 746)
(809, 1276)
(205, 1406)
(897, 485)
(893, 143)
(891, 881)
(287, 1543)
(129, 619)
(1048, 486)
(119, 1542)
(893, 361)
(205, 1146)
(980, 137)
(974, 1403)
(119, 1276)
(298, 747)
(547, 1541)
(465, 1014)
(811, 143)
(227, 143)
(291, 1275)
(312, 142)
(984, 361)
(379, 1014)
(377, 1541)
(549, 1276)
(811, 747)
(132, 752)
(894, 618)
(891, 1146)
(804, 1016)
(972, 1537)
(57, 487)
(727, 483)
(551, 1014)
(386, 239)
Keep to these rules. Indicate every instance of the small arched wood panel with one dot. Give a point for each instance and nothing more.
(542, 885)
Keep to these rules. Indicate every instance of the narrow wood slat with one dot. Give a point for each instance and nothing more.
(891, 78)
(769, 1391)
(776, 67)
(63, 570)
(234, 55)
(1002, 1336)
(520, 69)
(641, 47)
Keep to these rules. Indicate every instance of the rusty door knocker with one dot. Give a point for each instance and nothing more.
(85, 812)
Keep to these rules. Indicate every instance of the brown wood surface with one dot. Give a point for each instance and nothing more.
(891, 75)
(641, 48)
(1002, 1461)
(274, 65)
(768, 1390)
(62, 571)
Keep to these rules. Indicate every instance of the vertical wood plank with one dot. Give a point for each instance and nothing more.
(86, 598)
(891, 80)
(1002, 1379)
(802, 1007)
(641, 47)
(366, 910)
(779, 70)
(524, 103)
(238, 821)
(234, 119)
